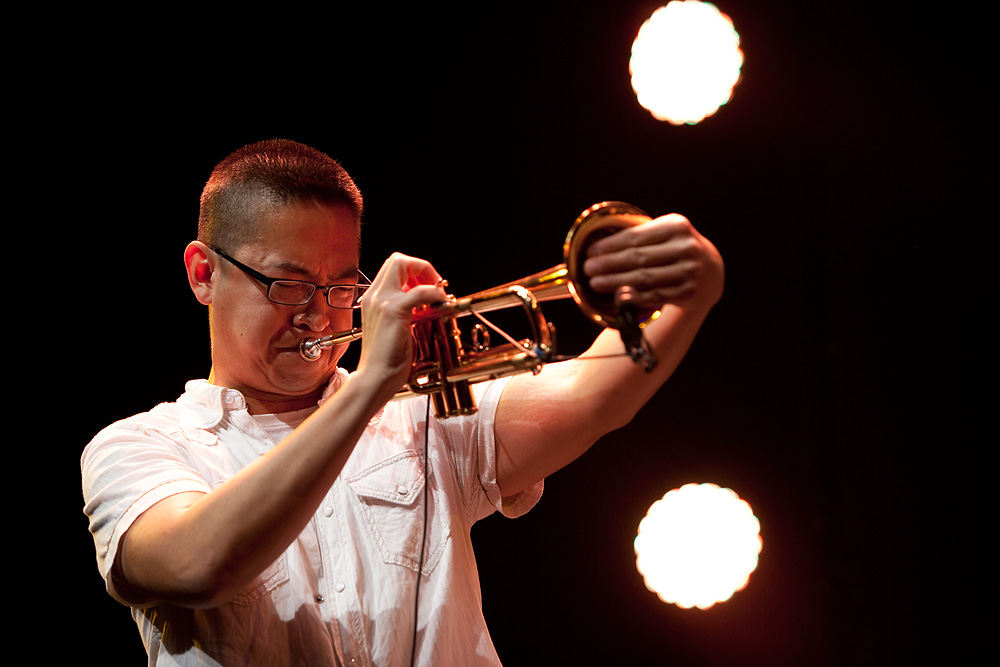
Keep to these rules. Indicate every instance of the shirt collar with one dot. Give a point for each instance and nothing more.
(208, 403)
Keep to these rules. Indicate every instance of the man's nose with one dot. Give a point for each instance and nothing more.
(315, 314)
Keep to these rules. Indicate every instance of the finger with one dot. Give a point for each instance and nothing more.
(402, 284)
(403, 272)
(423, 295)
(661, 241)
(420, 273)
(654, 231)
(648, 279)
(657, 298)
(669, 252)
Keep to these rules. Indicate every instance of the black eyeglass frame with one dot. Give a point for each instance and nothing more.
(359, 289)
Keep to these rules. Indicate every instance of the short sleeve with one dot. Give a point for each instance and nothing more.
(513, 506)
(127, 469)
(472, 442)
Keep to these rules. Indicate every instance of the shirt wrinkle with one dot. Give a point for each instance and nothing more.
(345, 588)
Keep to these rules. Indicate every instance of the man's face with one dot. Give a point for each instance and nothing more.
(255, 342)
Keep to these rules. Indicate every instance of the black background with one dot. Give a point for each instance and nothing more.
(832, 388)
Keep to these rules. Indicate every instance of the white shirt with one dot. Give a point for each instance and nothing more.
(344, 591)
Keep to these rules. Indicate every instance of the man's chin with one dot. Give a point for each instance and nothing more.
(302, 384)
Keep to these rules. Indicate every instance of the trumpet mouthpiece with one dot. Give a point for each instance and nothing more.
(310, 350)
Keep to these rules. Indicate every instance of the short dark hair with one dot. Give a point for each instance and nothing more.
(259, 176)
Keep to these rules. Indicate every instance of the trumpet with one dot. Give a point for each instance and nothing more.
(444, 368)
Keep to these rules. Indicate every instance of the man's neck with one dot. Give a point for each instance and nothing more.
(267, 403)
(277, 404)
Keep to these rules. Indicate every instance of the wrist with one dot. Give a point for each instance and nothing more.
(373, 386)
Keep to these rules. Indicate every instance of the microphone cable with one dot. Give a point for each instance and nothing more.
(423, 534)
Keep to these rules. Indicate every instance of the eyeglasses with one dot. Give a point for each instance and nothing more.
(298, 292)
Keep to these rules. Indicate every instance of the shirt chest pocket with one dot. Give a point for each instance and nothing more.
(391, 497)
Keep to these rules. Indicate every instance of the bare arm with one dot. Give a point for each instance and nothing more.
(198, 549)
(546, 421)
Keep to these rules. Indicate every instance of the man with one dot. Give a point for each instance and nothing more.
(281, 512)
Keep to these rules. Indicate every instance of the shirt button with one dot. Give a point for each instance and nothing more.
(401, 490)
(340, 587)
(327, 512)
(319, 599)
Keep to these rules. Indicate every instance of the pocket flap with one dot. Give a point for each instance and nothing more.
(397, 480)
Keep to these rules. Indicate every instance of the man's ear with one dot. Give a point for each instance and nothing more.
(200, 266)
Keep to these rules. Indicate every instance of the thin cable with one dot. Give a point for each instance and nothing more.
(595, 357)
(503, 333)
(554, 358)
(423, 529)
(423, 537)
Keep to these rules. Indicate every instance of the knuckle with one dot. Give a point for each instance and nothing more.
(640, 256)
(644, 277)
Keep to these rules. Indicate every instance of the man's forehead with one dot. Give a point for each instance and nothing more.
(323, 264)
(275, 210)
(307, 222)
(337, 267)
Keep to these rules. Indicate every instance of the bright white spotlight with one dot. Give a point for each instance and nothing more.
(697, 545)
(685, 61)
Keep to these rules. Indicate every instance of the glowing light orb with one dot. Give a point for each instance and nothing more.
(685, 61)
(697, 545)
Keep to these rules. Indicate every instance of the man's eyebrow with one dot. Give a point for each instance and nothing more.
(292, 267)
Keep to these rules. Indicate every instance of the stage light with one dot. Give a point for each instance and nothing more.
(685, 62)
(697, 545)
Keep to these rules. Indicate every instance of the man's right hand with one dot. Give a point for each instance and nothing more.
(402, 284)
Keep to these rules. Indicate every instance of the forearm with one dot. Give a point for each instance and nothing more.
(200, 549)
(546, 422)
(623, 385)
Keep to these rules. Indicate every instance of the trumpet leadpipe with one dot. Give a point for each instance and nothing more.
(547, 285)
(311, 349)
